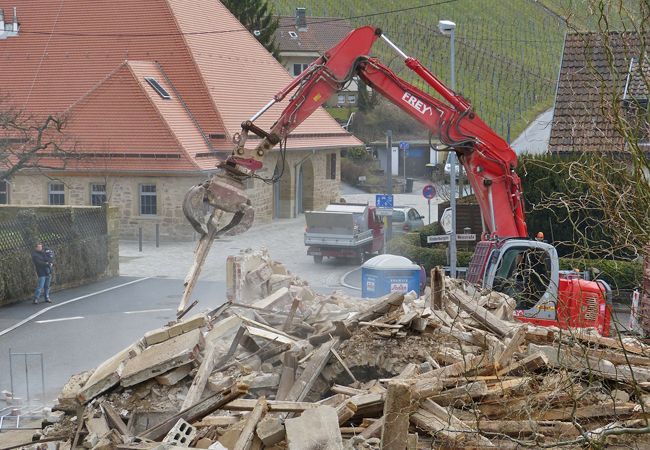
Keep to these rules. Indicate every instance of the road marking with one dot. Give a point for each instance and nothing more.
(60, 320)
(148, 311)
(72, 300)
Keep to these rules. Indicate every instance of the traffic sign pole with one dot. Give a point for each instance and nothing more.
(429, 202)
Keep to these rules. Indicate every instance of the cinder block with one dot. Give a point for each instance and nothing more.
(181, 434)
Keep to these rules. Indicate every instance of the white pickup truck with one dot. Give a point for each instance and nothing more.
(344, 230)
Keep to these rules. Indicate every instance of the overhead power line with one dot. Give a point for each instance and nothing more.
(237, 30)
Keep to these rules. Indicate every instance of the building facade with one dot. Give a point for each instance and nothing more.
(151, 95)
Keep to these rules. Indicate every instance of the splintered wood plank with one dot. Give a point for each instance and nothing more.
(480, 314)
(316, 364)
(397, 408)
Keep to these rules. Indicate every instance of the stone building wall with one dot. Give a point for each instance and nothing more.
(123, 192)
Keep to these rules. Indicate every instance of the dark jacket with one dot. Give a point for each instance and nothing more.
(41, 263)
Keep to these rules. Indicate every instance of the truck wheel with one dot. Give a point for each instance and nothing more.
(318, 259)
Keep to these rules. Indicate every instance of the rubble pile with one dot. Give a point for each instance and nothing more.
(282, 367)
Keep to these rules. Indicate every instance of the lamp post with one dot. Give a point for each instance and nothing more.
(448, 28)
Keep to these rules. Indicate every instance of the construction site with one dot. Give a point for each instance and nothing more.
(320, 308)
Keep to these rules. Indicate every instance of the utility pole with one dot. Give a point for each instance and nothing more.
(389, 180)
(448, 27)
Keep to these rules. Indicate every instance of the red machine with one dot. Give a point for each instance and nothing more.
(505, 261)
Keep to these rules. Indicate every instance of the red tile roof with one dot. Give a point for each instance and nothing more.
(70, 55)
(322, 33)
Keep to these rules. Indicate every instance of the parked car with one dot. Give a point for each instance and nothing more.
(406, 219)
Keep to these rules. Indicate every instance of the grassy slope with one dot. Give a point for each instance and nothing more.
(508, 52)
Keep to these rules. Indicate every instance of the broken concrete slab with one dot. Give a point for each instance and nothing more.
(315, 429)
(175, 375)
(161, 358)
(107, 374)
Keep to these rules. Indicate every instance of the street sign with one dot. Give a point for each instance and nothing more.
(465, 237)
(384, 211)
(445, 220)
(384, 201)
(403, 145)
(438, 238)
(429, 191)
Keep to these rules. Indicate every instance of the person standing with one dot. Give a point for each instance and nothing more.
(43, 263)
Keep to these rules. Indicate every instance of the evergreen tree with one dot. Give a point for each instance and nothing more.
(257, 17)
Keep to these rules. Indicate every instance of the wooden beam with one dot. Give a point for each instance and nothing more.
(287, 376)
(248, 404)
(437, 287)
(527, 365)
(196, 412)
(480, 314)
(248, 433)
(397, 408)
(316, 364)
(513, 345)
(114, 419)
(201, 378)
(465, 393)
(200, 253)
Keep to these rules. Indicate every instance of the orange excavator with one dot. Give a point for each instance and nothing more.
(506, 259)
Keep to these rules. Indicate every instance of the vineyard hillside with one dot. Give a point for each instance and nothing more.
(508, 52)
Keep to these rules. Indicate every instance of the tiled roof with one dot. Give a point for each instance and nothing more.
(586, 85)
(639, 78)
(322, 33)
(66, 51)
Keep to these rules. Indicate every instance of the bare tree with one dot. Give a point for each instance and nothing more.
(27, 142)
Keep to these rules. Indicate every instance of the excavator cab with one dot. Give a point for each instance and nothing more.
(527, 271)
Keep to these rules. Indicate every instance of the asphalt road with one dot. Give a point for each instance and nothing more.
(79, 335)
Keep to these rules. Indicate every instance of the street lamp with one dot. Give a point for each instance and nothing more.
(448, 28)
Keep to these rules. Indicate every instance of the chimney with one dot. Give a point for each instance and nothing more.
(301, 19)
(15, 24)
(3, 35)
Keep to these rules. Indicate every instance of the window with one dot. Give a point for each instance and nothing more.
(293, 35)
(158, 88)
(4, 192)
(341, 99)
(56, 194)
(97, 194)
(352, 99)
(299, 68)
(524, 274)
(331, 167)
(398, 216)
(148, 203)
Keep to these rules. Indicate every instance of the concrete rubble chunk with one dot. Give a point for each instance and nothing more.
(160, 358)
(315, 429)
(398, 372)
(174, 376)
(270, 431)
(107, 374)
(181, 434)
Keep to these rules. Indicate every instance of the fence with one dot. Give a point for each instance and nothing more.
(79, 237)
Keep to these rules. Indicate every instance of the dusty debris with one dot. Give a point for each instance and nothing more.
(403, 371)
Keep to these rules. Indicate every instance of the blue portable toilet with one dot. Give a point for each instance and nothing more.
(385, 274)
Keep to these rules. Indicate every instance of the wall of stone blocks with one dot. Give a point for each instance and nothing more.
(123, 192)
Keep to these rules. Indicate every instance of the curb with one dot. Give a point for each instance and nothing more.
(342, 281)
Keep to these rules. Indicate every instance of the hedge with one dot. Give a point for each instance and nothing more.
(621, 275)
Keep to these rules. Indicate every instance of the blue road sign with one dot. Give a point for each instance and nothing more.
(383, 201)
(403, 145)
(429, 191)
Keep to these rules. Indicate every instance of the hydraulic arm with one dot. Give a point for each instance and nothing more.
(488, 160)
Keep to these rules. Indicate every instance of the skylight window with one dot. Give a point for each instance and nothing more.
(158, 88)
(293, 35)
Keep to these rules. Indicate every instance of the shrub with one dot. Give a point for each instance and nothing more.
(621, 275)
